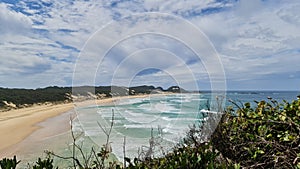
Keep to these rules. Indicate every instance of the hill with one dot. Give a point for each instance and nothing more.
(17, 98)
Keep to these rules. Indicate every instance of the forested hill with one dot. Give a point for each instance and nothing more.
(21, 97)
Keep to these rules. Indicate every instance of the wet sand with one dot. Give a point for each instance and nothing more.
(16, 125)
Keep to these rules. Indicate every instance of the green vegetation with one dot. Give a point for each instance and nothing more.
(54, 94)
(44, 164)
(9, 163)
(21, 97)
(188, 156)
(266, 135)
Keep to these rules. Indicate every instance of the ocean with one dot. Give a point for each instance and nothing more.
(166, 117)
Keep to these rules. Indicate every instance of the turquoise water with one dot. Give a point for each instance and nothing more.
(135, 118)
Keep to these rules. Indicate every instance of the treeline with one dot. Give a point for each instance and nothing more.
(21, 97)
(30, 96)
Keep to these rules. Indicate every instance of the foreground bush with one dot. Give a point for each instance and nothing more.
(9, 163)
(266, 136)
(201, 157)
(190, 153)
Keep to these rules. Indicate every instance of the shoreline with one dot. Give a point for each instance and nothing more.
(17, 125)
(24, 126)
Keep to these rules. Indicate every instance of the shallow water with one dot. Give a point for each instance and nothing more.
(135, 119)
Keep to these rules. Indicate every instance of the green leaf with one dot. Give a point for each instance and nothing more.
(260, 152)
(282, 117)
(269, 135)
(247, 105)
(199, 159)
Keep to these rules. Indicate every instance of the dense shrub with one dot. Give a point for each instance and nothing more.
(188, 156)
(9, 163)
(264, 136)
(44, 164)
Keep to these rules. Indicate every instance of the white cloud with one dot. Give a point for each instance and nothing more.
(13, 22)
(155, 31)
(255, 39)
(246, 8)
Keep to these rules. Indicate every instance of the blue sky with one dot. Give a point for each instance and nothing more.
(43, 43)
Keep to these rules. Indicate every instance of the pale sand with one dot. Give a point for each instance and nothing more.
(17, 125)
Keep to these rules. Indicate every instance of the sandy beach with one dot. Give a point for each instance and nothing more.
(17, 125)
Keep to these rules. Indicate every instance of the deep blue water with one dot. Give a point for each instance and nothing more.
(250, 96)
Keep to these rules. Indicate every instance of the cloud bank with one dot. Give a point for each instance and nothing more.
(258, 43)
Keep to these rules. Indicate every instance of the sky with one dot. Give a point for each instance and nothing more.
(207, 44)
